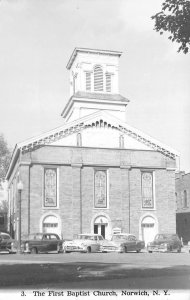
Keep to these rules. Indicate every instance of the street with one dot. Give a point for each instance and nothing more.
(95, 270)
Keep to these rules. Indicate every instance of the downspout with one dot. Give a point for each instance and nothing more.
(29, 200)
(80, 200)
(129, 200)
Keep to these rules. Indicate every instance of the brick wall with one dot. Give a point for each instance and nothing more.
(76, 188)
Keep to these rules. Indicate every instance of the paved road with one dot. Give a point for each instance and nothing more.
(96, 270)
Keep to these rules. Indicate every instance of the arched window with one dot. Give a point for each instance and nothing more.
(51, 224)
(185, 198)
(98, 79)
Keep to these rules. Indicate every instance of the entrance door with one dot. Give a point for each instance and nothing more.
(101, 226)
(148, 229)
(103, 231)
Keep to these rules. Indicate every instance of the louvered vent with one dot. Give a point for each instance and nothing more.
(108, 82)
(88, 81)
(98, 79)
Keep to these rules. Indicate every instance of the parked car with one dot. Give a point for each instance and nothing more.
(42, 242)
(165, 243)
(122, 242)
(7, 244)
(84, 243)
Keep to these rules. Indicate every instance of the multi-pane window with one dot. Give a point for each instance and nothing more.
(147, 190)
(88, 81)
(108, 82)
(100, 188)
(50, 187)
(98, 79)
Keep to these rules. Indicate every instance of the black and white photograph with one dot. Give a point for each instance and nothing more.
(95, 149)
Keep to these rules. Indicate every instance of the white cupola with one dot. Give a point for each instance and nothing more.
(94, 84)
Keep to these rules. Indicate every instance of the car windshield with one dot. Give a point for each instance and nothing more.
(5, 236)
(87, 237)
(165, 236)
(119, 237)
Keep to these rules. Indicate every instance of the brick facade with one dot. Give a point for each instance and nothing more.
(182, 186)
(75, 208)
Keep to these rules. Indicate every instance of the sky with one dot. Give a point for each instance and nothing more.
(37, 38)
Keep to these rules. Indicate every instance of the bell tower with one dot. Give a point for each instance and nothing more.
(94, 84)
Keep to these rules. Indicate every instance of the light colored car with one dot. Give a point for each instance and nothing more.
(122, 243)
(84, 243)
(165, 243)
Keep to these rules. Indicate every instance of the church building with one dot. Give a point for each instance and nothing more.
(95, 173)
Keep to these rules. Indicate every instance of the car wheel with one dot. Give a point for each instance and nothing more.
(179, 250)
(34, 251)
(88, 250)
(138, 250)
(149, 251)
(125, 249)
(170, 249)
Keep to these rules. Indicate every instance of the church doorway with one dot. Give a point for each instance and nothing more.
(101, 226)
(149, 229)
(51, 224)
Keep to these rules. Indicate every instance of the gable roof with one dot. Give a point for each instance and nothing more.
(99, 118)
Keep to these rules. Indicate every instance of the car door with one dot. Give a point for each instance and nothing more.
(53, 241)
(46, 243)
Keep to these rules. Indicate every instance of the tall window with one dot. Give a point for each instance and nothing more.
(147, 190)
(88, 81)
(98, 79)
(108, 82)
(50, 187)
(185, 198)
(100, 189)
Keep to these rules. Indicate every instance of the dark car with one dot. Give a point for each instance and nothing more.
(42, 243)
(165, 243)
(122, 243)
(7, 244)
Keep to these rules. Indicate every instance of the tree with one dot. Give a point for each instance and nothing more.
(175, 19)
(5, 156)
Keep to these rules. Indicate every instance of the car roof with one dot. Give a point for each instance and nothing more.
(126, 234)
(4, 233)
(90, 234)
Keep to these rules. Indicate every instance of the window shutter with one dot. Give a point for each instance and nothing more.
(98, 79)
(108, 82)
(88, 81)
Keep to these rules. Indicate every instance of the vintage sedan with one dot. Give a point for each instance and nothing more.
(42, 243)
(122, 243)
(165, 243)
(84, 243)
(7, 244)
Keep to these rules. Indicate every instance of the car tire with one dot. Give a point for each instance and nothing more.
(88, 250)
(179, 250)
(34, 250)
(149, 251)
(138, 250)
(125, 249)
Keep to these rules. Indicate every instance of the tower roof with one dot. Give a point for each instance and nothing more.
(88, 50)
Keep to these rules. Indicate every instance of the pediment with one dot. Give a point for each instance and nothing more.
(98, 130)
